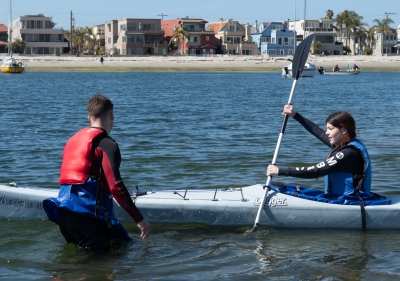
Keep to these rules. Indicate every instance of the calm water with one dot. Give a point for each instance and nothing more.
(197, 130)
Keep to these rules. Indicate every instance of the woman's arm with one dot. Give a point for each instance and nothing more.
(344, 160)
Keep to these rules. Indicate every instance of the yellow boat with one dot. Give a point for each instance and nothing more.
(10, 65)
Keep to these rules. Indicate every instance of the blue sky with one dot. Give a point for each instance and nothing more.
(90, 12)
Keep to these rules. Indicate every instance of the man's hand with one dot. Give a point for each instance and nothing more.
(145, 228)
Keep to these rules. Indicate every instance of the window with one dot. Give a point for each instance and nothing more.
(123, 39)
(236, 40)
(229, 40)
(124, 51)
(189, 27)
(207, 38)
(193, 39)
(131, 51)
(139, 51)
(139, 39)
(280, 41)
(286, 41)
(122, 26)
(325, 24)
(147, 26)
(276, 27)
(290, 52)
(131, 39)
(325, 38)
(109, 40)
(273, 40)
(232, 28)
(310, 24)
(291, 41)
(132, 27)
(272, 52)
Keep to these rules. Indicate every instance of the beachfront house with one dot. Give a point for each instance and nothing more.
(3, 38)
(385, 43)
(324, 32)
(199, 40)
(273, 38)
(98, 32)
(233, 38)
(39, 34)
(131, 36)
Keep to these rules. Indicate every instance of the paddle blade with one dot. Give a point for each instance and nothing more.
(300, 56)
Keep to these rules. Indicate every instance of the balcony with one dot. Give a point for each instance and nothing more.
(319, 29)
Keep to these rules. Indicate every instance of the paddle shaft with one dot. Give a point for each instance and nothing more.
(278, 146)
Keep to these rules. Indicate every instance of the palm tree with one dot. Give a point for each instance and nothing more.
(383, 26)
(349, 21)
(18, 46)
(178, 36)
(329, 15)
(340, 22)
(370, 36)
(317, 46)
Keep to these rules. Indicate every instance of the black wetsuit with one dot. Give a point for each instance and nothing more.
(344, 159)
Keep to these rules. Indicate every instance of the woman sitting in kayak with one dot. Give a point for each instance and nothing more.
(347, 167)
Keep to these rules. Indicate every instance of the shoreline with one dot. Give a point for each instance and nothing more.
(198, 63)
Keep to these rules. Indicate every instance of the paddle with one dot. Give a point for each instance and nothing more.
(299, 59)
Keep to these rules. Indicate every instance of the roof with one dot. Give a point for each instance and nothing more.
(217, 26)
(3, 27)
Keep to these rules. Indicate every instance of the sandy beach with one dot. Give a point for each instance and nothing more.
(198, 63)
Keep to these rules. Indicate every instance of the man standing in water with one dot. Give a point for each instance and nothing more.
(89, 180)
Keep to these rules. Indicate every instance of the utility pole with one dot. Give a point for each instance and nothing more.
(386, 14)
(162, 16)
(70, 42)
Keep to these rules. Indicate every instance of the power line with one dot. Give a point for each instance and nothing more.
(162, 16)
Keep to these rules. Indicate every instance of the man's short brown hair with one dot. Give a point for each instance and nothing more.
(98, 105)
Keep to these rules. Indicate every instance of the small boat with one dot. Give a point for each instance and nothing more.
(308, 70)
(234, 207)
(348, 71)
(10, 65)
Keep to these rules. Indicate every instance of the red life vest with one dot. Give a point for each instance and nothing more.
(78, 156)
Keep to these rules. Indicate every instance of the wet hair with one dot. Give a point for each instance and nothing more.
(343, 119)
(99, 105)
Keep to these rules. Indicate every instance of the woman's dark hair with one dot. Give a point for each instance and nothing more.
(343, 119)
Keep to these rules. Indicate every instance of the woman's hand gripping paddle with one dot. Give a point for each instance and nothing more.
(299, 59)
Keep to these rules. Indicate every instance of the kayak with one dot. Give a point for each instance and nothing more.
(234, 207)
(341, 73)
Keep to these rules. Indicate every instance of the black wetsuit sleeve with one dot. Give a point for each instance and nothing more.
(312, 128)
(346, 159)
(110, 155)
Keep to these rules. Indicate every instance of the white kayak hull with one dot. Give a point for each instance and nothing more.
(231, 207)
(342, 73)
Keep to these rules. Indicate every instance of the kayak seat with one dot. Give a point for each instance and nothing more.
(343, 199)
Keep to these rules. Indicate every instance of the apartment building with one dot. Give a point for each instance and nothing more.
(233, 38)
(199, 41)
(39, 34)
(99, 32)
(324, 31)
(130, 36)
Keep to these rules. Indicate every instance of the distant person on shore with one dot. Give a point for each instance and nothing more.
(336, 69)
(89, 180)
(356, 68)
(101, 59)
(347, 168)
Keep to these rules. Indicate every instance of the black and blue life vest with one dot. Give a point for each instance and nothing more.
(342, 183)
